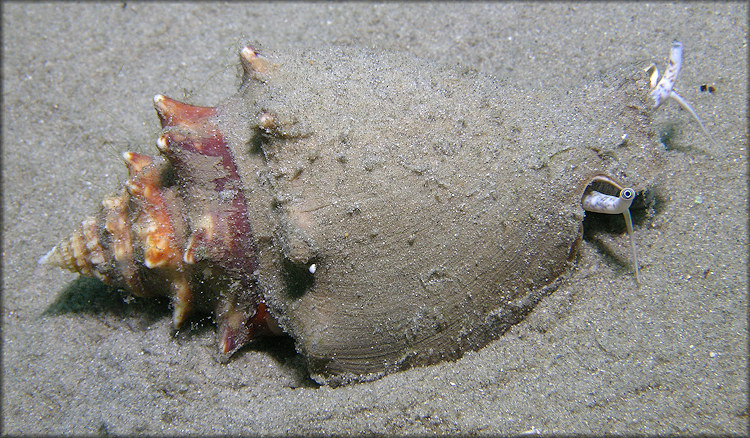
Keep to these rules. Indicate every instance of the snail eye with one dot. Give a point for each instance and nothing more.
(627, 194)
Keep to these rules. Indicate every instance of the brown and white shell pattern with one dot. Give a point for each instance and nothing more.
(381, 213)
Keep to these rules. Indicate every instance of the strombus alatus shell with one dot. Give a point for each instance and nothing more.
(382, 212)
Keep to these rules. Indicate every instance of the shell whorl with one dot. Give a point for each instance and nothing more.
(180, 227)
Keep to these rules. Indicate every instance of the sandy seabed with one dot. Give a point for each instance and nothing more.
(599, 355)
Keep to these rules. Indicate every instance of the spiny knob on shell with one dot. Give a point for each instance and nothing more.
(180, 227)
(253, 65)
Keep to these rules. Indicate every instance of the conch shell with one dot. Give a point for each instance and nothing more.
(382, 212)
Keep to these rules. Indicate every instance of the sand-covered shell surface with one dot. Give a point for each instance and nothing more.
(382, 212)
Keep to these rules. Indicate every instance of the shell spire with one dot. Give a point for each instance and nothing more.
(179, 228)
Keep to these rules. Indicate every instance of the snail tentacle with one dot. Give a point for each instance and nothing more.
(598, 202)
(664, 89)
